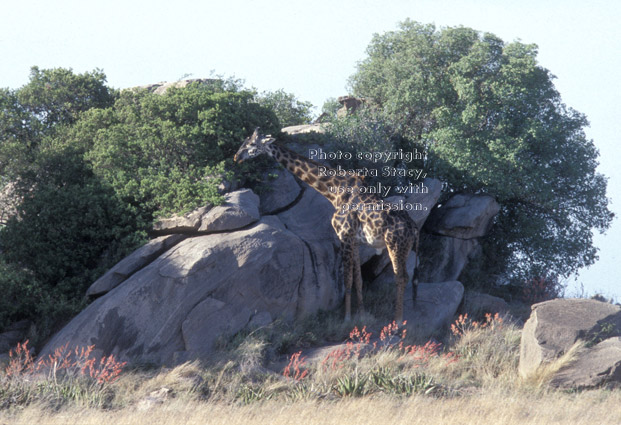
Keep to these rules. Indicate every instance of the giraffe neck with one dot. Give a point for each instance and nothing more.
(310, 172)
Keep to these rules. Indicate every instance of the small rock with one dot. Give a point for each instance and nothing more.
(435, 306)
(154, 398)
(477, 304)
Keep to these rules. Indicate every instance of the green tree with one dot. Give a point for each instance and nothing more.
(52, 99)
(330, 108)
(288, 109)
(58, 96)
(492, 121)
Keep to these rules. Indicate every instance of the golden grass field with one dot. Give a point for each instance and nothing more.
(487, 407)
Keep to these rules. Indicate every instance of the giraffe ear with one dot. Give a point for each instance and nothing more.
(267, 140)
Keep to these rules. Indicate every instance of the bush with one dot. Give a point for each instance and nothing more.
(62, 241)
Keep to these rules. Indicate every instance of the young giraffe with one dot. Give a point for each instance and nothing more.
(358, 215)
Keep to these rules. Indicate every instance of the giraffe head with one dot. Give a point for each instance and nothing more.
(253, 146)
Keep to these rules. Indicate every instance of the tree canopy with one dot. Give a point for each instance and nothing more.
(492, 121)
(288, 109)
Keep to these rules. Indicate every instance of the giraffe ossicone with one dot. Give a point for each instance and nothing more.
(369, 221)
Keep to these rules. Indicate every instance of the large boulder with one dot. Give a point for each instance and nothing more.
(309, 219)
(597, 366)
(554, 327)
(464, 216)
(206, 287)
(283, 191)
(448, 258)
(243, 264)
(427, 196)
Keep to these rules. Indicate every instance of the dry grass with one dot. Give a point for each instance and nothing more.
(498, 408)
(545, 373)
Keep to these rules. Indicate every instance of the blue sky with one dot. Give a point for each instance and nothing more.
(311, 48)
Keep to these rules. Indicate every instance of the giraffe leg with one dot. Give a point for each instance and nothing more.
(398, 257)
(357, 277)
(347, 277)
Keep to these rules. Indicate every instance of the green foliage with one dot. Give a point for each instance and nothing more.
(65, 238)
(58, 96)
(492, 121)
(162, 152)
(52, 99)
(352, 385)
(92, 167)
(390, 382)
(20, 293)
(288, 109)
(330, 108)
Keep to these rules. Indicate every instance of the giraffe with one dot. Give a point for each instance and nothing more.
(359, 216)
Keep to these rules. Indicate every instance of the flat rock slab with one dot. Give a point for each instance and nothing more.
(240, 209)
(187, 223)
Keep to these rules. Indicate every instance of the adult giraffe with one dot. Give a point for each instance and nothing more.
(359, 216)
